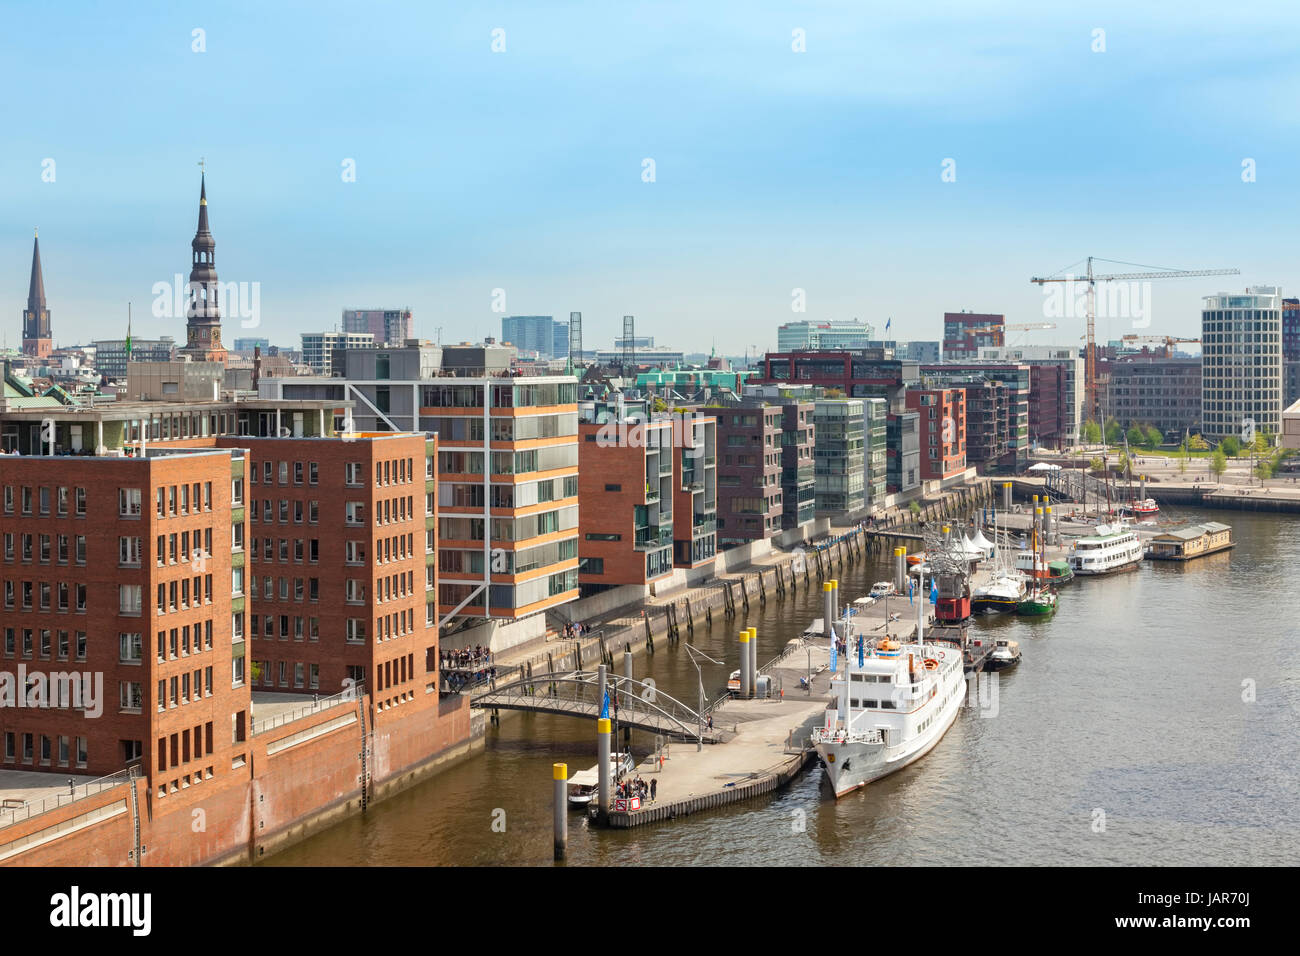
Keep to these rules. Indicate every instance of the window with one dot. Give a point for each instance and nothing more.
(130, 695)
(128, 599)
(128, 502)
(128, 552)
(131, 648)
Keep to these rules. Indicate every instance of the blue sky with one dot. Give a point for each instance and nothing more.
(522, 170)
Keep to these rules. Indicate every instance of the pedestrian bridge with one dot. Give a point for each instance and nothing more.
(641, 704)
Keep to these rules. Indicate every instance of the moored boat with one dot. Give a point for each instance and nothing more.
(1005, 654)
(1113, 548)
(1002, 594)
(1041, 602)
(584, 784)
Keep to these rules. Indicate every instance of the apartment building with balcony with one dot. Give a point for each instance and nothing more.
(124, 618)
(997, 411)
(1056, 375)
(875, 447)
(942, 430)
(839, 457)
(627, 488)
(507, 467)
(749, 471)
(695, 495)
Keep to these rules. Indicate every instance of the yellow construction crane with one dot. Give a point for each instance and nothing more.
(1092, 399)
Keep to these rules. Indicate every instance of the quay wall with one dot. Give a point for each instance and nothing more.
(305, 775)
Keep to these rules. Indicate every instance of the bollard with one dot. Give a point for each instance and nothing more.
(835, 599)
(627, 664)
(828, 609)
(753, 661)
(900, 570)
(560, 776)
(603, 735)
(744, 663)
(1006, 496)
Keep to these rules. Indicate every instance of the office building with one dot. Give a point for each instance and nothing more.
(965, 333)
(806, 334)
(530, 333)
(386, 326)
(319, 348)
(1056, 380)
(748, 472)
(1152, 390)
(1241, 362)
(997, 411)
(839, 459)
(112, 356)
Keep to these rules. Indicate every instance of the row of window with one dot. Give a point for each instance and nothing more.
(65, 745)
(306, 675)
(45, 596)
(304, 549)
(45, 547)
(51, 644)
(189, 687)
(270, 469)
(184, 746)
(182, 594)
(173, 500)
(308, 510)
(40, 498)
(178, 642)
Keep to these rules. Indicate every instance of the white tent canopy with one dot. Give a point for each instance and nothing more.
(1044, 466)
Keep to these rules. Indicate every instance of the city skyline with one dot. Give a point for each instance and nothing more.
(774, 170)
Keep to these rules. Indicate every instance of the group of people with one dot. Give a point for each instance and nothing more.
(575, 629)
(466, 658)
(453, 681)
(636, 787)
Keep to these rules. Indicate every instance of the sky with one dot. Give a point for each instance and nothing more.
(887, 163)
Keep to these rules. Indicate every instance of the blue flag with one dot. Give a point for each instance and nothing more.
(888, 323)
(934, 592)
(604, 707)
(834, 649)
(861, 651)
(909, 592)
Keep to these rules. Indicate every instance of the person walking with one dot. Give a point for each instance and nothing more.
(654, 789)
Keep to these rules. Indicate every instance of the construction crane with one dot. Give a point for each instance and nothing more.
(1092, 399)
(1168, 341)
(1021, 327)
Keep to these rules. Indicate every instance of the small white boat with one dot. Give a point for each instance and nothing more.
(1005, 654)
(584, 784)
(733, 682)
(881, 589)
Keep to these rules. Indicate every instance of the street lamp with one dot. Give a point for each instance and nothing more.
(691, 652)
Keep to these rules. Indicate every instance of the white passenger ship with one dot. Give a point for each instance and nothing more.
(1113, 548)
(888, 710)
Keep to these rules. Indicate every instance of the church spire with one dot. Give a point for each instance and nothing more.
(203, 312)
(36, 317)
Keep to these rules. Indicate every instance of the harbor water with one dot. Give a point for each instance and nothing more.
(1151, 721)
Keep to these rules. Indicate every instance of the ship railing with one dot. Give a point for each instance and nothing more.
(838, 736)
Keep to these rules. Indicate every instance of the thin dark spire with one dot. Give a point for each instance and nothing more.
(36, 289)
(203, 205)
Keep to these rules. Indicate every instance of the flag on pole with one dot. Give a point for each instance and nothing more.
(834, 648)
(888, 323)
(861, 651)
(934, 591)
(909, 592)
(604, 707)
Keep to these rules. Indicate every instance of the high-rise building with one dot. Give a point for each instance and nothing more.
(388, 326)
(560, 340)
(203, 306)
(876, 450)
(806, 334)
(37, 341)
(839, 459)
(965, 333)
(1241, 362)
(319, 348)
(530, 333)
(1290, 352)
(247, 345)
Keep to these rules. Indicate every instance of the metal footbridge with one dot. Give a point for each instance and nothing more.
(641, 705)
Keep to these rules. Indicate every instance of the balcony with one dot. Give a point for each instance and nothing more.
(703, 526)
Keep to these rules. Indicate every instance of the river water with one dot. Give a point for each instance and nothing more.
(1152, 721)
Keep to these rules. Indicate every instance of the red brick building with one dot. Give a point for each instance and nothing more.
(342, 573)
(941, 422)
(124, 572)
(625, 480)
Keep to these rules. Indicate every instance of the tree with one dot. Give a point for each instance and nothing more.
(1097, 465)
(1182, 466)
(1137, 437)
(1197, 443)
(1125, 465)
(1154, 437)
(1091, 433)
(1113, 432)
(1264, 471)
(1263, 442)
(1230, 446)
(1218, 463)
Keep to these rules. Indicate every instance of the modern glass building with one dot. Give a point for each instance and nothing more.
(1241, 362)
(840, 471)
